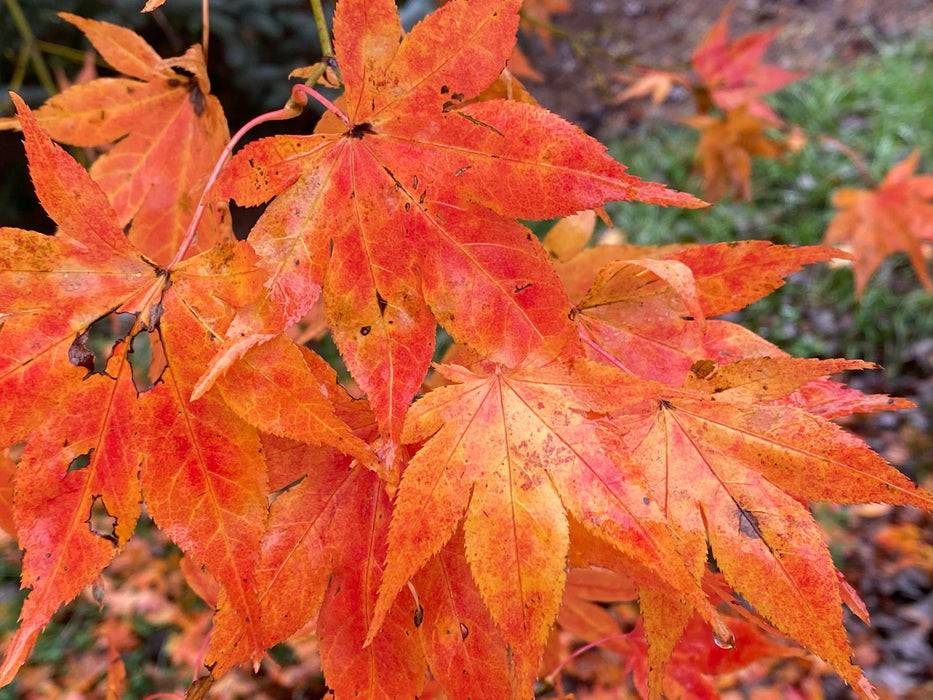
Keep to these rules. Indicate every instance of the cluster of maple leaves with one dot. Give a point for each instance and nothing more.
(593, 418)
(736, 125)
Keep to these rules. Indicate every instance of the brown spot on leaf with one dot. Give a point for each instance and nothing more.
(748, 524)
(360, 130)
(79, 355)
(197, 98)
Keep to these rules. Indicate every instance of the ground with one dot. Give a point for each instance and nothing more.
(601, 38)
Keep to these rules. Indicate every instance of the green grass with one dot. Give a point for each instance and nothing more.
(875, 106)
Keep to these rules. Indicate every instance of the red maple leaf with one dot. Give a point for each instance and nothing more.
(733, 72)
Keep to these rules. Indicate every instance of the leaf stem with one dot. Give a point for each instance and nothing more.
(582, 650)
(292, 109)
(25, 31)
(324, 101)
(205, 26)
(317, 9)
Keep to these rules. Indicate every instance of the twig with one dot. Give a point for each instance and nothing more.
(317, 9)
(856, 159)
(25, 31)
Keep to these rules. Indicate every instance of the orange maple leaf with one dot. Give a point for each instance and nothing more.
(537, 17)
(169, 130)
(731, 473)
(321, 557)
(406, 214)
(725, 149)
(696, 659)
(208, 491)
(895, 217)
(733, 73)
(515, 453)
(656, 84)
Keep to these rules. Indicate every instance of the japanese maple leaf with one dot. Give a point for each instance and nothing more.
(895, 217)
(725, 150)
(731, 472)
(321, 559)
(169, 130)
(407, 214)
(646, 307)
(95, 440)
(733, 71)
(656, 84)
(514, 453)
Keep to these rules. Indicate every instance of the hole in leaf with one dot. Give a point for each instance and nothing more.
(93, 348)
(147, 358)
(100, 521)
(80, 462)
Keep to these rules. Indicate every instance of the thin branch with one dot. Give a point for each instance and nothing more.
(856, 159)
(317, 9)
(25, 31)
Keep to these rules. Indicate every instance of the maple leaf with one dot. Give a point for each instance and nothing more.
(537, 16)
(513, 451)
(733, 72)
(695, 660)
(731, 471)
(730, 276)
(51, 289)
(725, 149)
(895, 217)
(321, 557)
(198, 466)
(656, 84)
(646, 307)
(407, 213)
(464, 647)
(170, 132)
